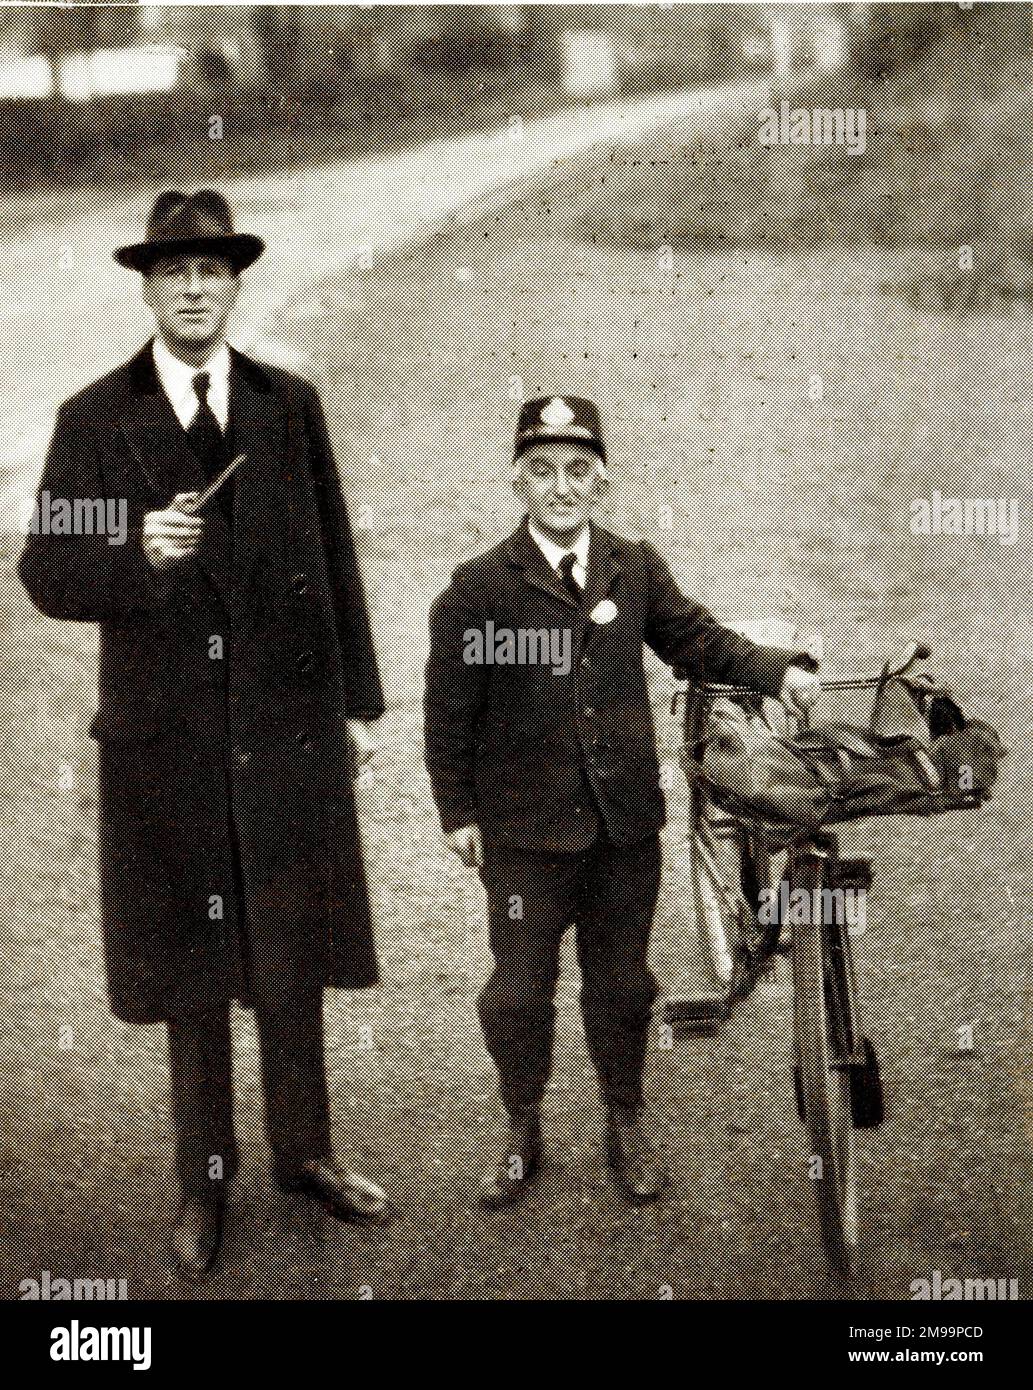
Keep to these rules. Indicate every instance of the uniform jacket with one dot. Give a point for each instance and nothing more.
(201, 739)
(511, 746)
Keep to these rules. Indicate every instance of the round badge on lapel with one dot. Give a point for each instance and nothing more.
(604, 611)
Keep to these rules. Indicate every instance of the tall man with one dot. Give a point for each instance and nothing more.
(542, 758)
(236, 668)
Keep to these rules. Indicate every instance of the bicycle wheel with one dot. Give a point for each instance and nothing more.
(716, 859)
(823, 1007)
(729, 871)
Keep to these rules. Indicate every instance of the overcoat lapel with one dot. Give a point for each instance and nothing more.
(259, 423)
(156, 439)
(603, 569)
(159, 445)
(524, 553)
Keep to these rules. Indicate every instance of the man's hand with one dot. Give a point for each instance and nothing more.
(171, 535)
(361, 743)
(468, 844)
(799, 690)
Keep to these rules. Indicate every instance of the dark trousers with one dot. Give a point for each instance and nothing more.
(290, 1032)
(291, 1042)
(610, 895)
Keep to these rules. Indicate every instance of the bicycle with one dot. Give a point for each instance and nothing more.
(742, 867)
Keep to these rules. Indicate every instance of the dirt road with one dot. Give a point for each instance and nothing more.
(61, 283)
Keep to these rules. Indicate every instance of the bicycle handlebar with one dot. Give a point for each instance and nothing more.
(845, 683)
(893, 669)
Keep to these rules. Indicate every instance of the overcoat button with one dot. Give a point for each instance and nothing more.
(241, 756)
(300, 584)
(302, 739)
(304, 662)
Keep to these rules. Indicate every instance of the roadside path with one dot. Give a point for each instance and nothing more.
(70, 313)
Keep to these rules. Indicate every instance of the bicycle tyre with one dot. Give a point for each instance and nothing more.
(719, 923)
(825, 1086)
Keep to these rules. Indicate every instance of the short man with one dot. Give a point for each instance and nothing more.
(234, 645)
(542, 758)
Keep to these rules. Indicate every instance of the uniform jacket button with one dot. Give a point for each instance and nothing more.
(302, 739)
(299, 583)
(304, 662)
(241, 756)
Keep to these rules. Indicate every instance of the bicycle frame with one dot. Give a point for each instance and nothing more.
(762, 853)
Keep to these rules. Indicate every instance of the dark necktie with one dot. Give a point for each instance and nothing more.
(204, 433)
(209, 444)
(566, 569)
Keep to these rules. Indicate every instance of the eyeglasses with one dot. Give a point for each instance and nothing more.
(183, 272)
(578, 472)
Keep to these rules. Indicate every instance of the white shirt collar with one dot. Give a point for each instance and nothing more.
(177, 379)
(554, 553)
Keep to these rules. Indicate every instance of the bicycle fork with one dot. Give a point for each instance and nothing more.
(817, 866)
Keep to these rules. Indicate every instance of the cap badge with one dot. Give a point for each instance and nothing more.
(557, 413)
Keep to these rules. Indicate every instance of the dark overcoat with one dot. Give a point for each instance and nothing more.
(511, 744)
(224, 687)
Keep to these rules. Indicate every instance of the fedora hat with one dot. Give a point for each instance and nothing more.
(183, 224)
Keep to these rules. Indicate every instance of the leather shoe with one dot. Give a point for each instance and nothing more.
(506, 1181)
(348, 1196)
(196, 1236)
(639, 1169)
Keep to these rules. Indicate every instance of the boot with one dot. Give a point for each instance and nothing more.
(347, 1196)
(506, 1181)
(639, 1169)
(197, 1235)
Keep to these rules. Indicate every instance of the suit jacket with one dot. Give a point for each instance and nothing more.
(202, 740)
(511, 746)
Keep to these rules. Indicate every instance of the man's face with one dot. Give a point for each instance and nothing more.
(191, 298)
(560, 485)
